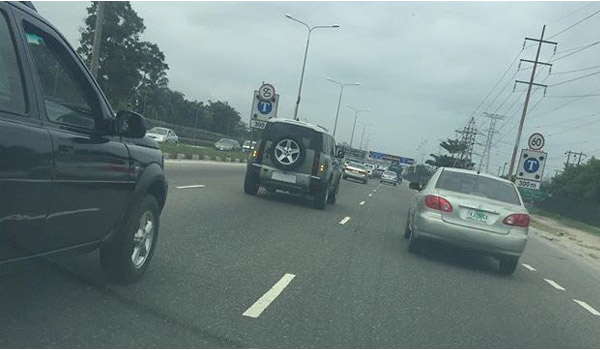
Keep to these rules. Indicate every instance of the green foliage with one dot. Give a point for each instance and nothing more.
(132, 74)
(454, 148)
(578, 182)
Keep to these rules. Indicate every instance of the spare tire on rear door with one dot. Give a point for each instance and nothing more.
(288, 153)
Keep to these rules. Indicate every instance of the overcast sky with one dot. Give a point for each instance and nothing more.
(423, 67)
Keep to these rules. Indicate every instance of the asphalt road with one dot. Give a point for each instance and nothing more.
(232, 270)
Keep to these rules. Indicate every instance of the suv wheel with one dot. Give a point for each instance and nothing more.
(333, 196)
(127, 256)
(251, 184)
(288, 153)
(508, 265)
(322, 197)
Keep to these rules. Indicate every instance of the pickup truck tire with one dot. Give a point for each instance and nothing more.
(127, 256)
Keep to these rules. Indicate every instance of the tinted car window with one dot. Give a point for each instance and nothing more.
(481, 186)
(357, 165)
(309, 138)
(158, 131)
(12, 98)
(64, 96)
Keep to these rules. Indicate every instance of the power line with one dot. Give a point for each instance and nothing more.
(583, 48)
(575, 127)
(575, 24)
(575, 70)
(567, 121)
(574, 79)
(572, 96)
(571, 13)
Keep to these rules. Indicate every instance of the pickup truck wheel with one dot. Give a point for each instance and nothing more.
(127, 256)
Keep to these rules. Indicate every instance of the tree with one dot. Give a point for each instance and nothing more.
(128, 67)
(453, 147)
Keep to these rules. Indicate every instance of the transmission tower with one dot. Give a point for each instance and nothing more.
(485, 156)
(467, 137)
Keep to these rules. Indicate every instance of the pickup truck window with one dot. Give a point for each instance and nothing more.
(12, 98)
(64, 97)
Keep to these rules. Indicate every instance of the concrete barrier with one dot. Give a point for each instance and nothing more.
(195, 156)
(228, 160)
(180, 156)
(218, 159)
(207, 158)
(237, 160)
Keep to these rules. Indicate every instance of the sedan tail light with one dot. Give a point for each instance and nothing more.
(438, 203)
(520, 220)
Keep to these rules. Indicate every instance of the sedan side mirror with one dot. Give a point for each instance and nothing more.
(415, 186)
(130, 124)
(340, 154)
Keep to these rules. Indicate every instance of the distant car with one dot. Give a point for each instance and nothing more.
(378, 172)
(248, 146)
(356, 171)
(161, 135)
(370, 169)
(389, 177)
(296, 157)
(228, 145)
(475, 211)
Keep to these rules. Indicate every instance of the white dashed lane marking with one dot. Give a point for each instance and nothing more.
(554, 284)
(587, 307)
(345, 220)
(362, 203)
(529, 267)
(370, 194)
(261, 304)
(191, 186)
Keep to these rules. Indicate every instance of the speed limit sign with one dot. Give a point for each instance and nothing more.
(266, 92)
(536, 141)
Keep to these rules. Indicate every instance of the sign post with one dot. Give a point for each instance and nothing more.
(264, 106)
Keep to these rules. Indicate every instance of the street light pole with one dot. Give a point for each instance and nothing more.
(337, 113)
(363, 135)
(310, 29)
(356, 111)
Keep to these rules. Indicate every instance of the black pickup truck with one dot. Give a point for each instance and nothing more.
(74, 175)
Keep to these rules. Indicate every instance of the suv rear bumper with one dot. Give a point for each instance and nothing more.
(305, 183)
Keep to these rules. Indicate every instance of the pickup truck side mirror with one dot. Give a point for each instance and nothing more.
(415, 186)
(130, 124)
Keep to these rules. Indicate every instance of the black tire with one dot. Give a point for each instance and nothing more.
(407, 231)
(344, 177)
(380, 182)
(322, 197)
(415, 246)
(508, 265)
(395, 184)
(298, 162)
(333, 196)
(365, 182)
(251, 184)
(116, 257)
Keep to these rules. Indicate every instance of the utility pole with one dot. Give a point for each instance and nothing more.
(485, 157)
(568, 153)
(529, 85)
(504, 168)
(97, 38)
(579, 158)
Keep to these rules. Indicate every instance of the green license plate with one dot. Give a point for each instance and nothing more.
(477, 215)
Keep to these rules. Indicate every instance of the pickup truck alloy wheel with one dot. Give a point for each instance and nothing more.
(143, 239)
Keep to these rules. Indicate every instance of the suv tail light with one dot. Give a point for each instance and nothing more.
(520, 220)
(438, 203)
(316, 163)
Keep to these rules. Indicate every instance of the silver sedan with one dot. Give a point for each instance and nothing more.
(475, 211)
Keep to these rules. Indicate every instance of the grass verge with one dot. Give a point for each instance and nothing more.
(189, 150)
(564, 220)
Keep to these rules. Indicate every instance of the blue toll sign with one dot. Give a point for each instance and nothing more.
(531, 165)
(265, 107)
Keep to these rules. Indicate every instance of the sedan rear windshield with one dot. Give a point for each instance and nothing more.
(390, 173)
(481, 186)
(158, 131)
(357, 165)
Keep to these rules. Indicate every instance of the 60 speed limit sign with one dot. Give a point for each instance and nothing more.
(536, 142)
(266, 92)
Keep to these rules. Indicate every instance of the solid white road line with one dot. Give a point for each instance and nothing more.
(554, 284)
(261, 304)
(529, 267)
(361, 203)
(191, 186)
(587, 307)
(345, 220)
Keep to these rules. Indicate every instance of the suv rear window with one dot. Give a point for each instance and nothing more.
(310, 138)
(476, 185)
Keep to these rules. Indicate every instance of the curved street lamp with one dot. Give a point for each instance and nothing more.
(356, 111)
(337, 113)
(310, 29)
